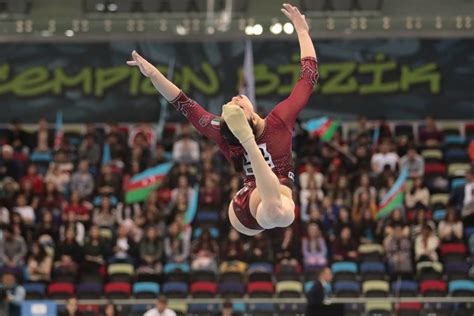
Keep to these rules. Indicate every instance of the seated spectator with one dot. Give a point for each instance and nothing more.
(210, 195)
(68, 252)
(398, 250)
(4, 215)
(260, 249)
(343, 220)
(177, 248)
(233, 247)
(82, 181)
(110, 310)
(109, 183)
(9, 167)
(341, 194)
(34, 178)
(364, 186)
(26, 212)
(384, 157)
(12, 249)
(426, 245)
(58, 177)
(368, 229)
(314, 248)
(361, 203)
(39, 264)
(186, 149)
(89, 150)
(204, 253)
(95, 250)
(150, 250)
(418, 195)
(422, 218)
(396, 218)
(105, 216)
(71, 308)
(47, 230)
(80, 207)
(123, 247)
(310, 175)
(414, 162)
(319, 292)
(309, 199)
(183, 189)
(287, 246)
(345, 247)
(32, 198)
(14, 294)
(52, 199)
(450, 229)
(159, 156)
(19, 227)
(227, 309)
(71, 221)
(430, 135)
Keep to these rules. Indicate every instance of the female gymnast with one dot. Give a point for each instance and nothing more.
(261, 148)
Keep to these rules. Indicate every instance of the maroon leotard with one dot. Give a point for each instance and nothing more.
(274, 143)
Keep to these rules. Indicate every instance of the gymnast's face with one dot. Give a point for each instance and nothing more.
(246, 105)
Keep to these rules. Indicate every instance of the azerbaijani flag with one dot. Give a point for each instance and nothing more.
(59, 131)
(323, 127)
(394, 197)
(142, 184)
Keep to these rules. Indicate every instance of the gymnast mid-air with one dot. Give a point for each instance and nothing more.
(259, 147)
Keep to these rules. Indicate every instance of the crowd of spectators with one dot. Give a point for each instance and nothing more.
(62, 210)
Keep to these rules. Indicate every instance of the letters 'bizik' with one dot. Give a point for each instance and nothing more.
(261, 148)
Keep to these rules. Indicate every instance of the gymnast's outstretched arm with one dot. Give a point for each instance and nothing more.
(288, 109)
(196, 114)
(302, 30)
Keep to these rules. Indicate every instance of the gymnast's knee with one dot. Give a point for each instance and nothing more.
(274, 216)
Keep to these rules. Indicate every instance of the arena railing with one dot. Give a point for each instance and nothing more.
(301, 300)
(346, 125)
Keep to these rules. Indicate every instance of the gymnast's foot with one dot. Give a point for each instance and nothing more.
(238, 124)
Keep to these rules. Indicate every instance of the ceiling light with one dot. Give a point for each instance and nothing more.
(288, 28)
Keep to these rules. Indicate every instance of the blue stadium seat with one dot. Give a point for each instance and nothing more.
(344, 267)
(35, 290)
(454, 139)
(231, 289)
(344, 271)
(456, 155)
(197, 232)
(347, 289)
(207, 217)
(461, 288)
(146, 289)
(456, 270)
(171, 267)
(439, 215)
(404, 288)
(175, 289)
(457, 182)
(372, 270)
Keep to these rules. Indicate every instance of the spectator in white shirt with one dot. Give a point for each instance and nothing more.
(383, 158)
(161, 308)
(414, 162)
(309, 175)
(450, 229)
(26, 212)
(426, 245)
(186, 149)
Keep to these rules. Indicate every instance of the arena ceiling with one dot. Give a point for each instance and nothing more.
(98, 20)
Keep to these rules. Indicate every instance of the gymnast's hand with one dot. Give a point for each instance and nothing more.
(145, 67)
(298, 19)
